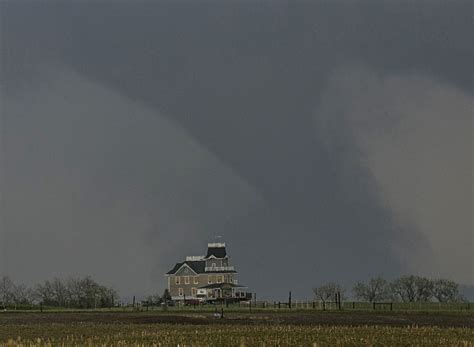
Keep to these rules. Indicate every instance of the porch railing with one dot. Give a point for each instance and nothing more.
(218, 268)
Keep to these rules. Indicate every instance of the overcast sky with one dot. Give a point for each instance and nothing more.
(324, 140)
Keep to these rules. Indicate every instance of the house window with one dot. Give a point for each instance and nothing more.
(177, 280)
(220, 279)
(194, 291)
(180, 291)
(196, 279)
(186, 280)
(209, 279)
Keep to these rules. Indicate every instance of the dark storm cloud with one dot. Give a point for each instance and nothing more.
(94, 176)
(245, 82)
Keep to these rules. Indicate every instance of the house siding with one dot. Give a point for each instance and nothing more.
(187, 288)
(202, 280)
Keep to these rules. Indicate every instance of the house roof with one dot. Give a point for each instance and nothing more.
(198, 263)
(174, 269)
(218, 252)
(197, 266)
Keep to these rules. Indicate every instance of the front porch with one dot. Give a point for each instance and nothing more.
(223, 291)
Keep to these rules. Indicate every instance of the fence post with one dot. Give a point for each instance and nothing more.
(374, 305)
(289, 300)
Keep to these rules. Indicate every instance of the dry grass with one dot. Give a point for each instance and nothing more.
(90, 334)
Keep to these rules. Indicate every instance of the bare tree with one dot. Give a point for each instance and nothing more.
(445, 290)
(76, 293)
(404, 288)
(90, 292)
(60, 292)
(166, 295)
(108, 297)
(44, 293)
(7, 288)
(377, 289)
(413, 288)
(22, 295)
(327, 291)
(424, 288)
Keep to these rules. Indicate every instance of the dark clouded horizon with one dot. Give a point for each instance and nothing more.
(324, 141)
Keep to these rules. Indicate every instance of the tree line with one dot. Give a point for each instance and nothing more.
(403, 289)
(71, 293)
